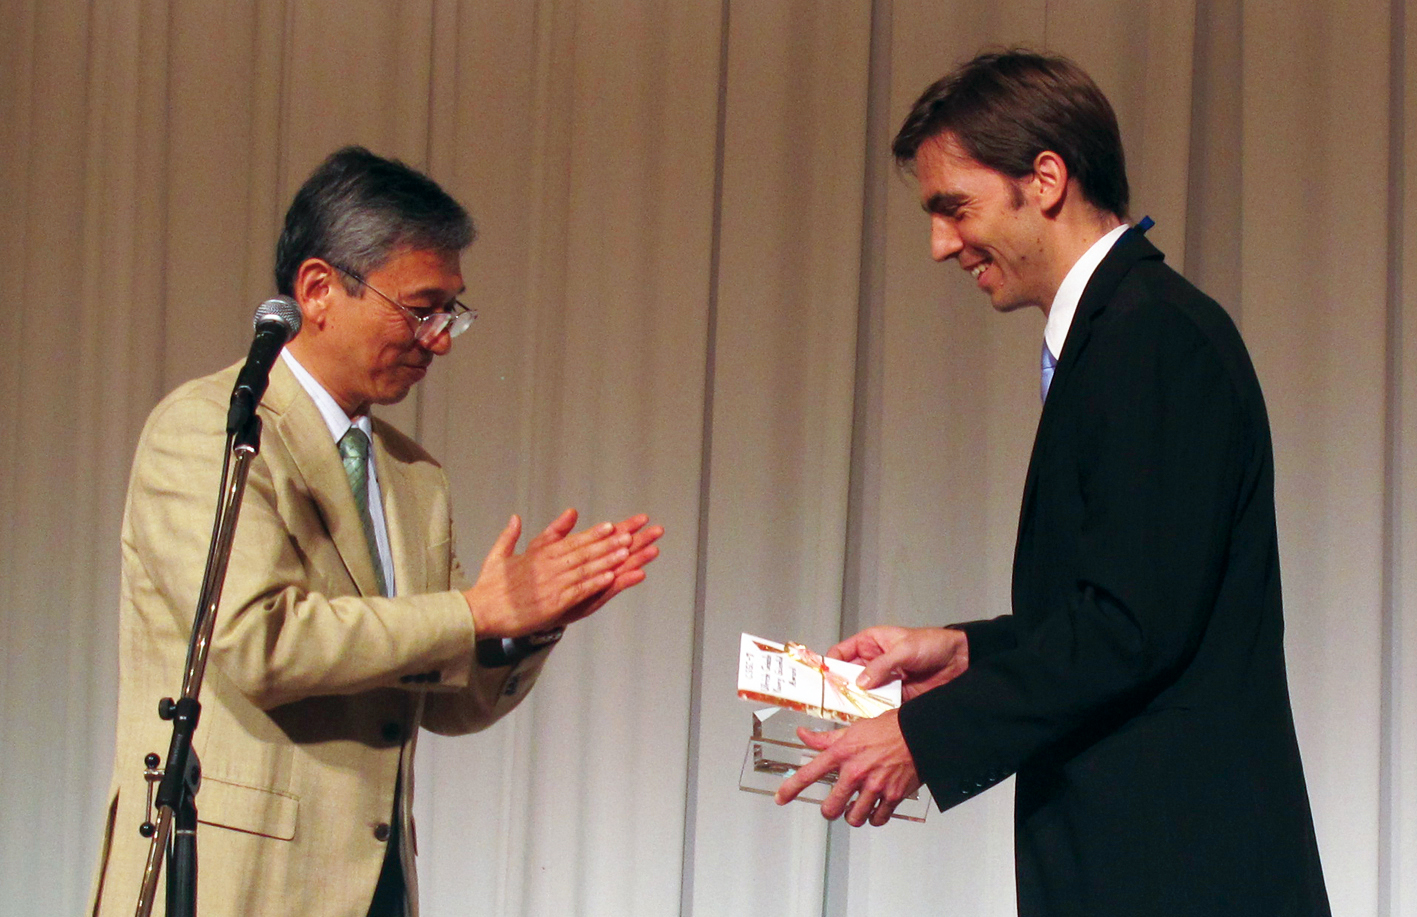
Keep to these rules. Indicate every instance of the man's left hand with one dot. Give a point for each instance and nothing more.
(872, 763)
(629, 573)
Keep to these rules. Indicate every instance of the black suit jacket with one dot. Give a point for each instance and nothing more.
(1138, 689)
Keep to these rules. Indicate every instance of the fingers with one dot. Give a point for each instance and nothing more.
(644, 537)
(558, 534)
(824, 763)
(506, 543)
(559, 528)
(805, 776)
(839, 799)
(625, 577)
(882, 669)
(883, 812)
(642, 550)
(921, 657)
(870, 806)
(874, 770)
(627, 574)
(575, 548)
(640, 554)
(865, 646)
(562, 576)
(579, 581)
(862, 808)
(640, 536)
(630, 534)
(861, 796)
(564, 523)
(632, 524)
(585, 588)
(841, 792)
(851, 795)
(603, 556)
(621, 549)
(818, 741)
(624, 580)
(846, 650)
(596, 549)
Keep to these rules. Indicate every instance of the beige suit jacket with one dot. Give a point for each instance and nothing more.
(316, 685)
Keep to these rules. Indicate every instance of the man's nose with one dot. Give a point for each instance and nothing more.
(438, 345)
(945, 242)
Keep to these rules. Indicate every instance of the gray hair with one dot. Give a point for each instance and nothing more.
(358, 209)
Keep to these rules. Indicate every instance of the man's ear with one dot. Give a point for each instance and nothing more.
(315, 282)
(1050, 180)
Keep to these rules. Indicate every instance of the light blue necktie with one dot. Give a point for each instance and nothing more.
(354, 454)
(1050, 363)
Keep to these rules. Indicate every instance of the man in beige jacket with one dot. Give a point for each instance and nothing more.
(342, 630)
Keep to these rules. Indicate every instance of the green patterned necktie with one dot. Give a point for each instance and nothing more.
(354, 453)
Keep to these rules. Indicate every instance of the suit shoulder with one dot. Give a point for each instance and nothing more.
(194, 401)
(1154, 296)
(1161, 319)
(1155, 307)
(401, 446)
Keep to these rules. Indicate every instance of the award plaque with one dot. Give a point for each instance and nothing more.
(809, 691)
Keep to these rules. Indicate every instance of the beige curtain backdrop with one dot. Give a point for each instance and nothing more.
(705, 294)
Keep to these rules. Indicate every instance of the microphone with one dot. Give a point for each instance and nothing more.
(276, 321)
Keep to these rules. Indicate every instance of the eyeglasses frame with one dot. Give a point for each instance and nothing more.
(456, 318)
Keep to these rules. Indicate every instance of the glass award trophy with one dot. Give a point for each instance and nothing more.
(808, 690)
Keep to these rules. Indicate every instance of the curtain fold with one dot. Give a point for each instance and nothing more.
(1397, 886)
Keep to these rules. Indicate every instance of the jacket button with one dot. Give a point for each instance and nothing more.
(381, 833)
(392, 732)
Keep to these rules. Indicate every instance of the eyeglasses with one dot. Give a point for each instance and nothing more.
(454, 318)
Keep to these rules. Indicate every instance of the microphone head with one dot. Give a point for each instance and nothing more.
(282, 310)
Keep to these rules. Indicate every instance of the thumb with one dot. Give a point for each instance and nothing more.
(880, 670)
(559, 528)
(506, 544)
(818, 741)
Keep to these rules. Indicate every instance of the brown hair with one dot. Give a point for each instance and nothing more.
(1006, 107)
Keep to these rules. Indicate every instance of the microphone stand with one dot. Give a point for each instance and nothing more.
(179, 780)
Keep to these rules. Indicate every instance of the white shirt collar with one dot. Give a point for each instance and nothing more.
(335, 417)
(1065, 302)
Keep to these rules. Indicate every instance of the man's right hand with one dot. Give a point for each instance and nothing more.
(517, 594)
(922, 658)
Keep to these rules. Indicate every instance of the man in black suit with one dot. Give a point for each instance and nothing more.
(1138, 690)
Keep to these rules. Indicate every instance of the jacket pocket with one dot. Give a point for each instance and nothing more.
(247, 808)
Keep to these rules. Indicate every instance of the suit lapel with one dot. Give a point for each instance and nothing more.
(1101, 287)
(296, 420)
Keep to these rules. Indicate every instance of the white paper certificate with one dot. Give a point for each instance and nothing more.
(790, 675)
